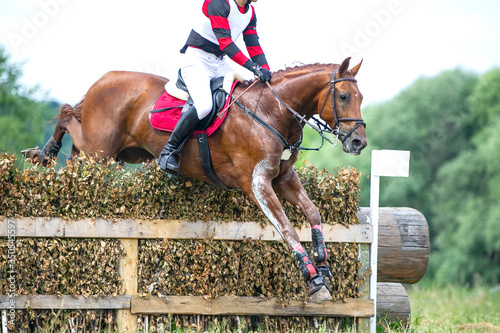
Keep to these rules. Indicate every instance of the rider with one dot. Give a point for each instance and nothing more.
(222, 23)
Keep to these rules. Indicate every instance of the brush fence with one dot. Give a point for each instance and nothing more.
(403, 256)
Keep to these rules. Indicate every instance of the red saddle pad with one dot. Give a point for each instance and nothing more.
(166, 120)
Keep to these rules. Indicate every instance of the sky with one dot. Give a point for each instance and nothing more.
(64, 46)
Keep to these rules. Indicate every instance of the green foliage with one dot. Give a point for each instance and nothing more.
(451, 308)
(468, 221)
(23, 119)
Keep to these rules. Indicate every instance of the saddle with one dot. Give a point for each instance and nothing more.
(219, 96)
(167, 110)
(219, 86)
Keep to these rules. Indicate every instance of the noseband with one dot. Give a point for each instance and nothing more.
(336, 127)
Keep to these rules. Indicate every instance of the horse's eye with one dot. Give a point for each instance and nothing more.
(343, 97)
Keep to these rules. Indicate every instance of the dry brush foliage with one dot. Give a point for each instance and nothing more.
(84, 188)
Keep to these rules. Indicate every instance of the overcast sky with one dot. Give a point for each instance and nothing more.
(66, 45)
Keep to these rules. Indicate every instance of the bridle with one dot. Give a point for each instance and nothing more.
(336, 126)
(320, 127)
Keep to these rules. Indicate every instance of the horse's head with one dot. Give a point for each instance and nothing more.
(343, 113)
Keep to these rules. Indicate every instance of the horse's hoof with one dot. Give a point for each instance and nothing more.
(318, 289)
(31, 153)
(322, 294)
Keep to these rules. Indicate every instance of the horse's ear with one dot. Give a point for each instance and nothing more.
(355, 69)
(344, 66)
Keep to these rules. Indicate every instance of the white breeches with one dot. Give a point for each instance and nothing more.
(199, 68)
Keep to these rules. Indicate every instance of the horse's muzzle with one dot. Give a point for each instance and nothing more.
(354, 144)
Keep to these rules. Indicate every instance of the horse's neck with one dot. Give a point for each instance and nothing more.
(301, 90)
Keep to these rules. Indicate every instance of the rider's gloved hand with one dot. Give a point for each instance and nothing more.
(260, 72)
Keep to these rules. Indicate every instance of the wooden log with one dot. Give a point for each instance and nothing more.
(393, 304)
(231, 305)
(403, 249)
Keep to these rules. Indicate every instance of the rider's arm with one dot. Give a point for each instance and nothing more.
(252, 42)
(218, 12)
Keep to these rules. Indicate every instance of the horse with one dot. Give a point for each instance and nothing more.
(112, 122)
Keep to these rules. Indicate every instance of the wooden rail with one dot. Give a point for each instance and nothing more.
(68, 302)
(173, 229)
(232, 305)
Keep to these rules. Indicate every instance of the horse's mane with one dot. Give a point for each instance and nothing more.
(300, 68)
(306, 67)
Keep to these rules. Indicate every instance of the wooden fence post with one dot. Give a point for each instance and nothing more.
(363, 324)
(127, 322)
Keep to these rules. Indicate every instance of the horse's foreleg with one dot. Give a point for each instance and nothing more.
(265, 196)
(289, 186)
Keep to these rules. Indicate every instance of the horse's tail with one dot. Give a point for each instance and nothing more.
(67, 110)
(53, 146)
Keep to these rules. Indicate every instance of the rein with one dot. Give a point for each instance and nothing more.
(289, 147)
(221, 113)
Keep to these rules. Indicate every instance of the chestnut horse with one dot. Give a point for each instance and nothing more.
(112, 121)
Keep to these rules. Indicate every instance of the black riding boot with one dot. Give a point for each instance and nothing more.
(182, 130)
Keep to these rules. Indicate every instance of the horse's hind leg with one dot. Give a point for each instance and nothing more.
(289, 186)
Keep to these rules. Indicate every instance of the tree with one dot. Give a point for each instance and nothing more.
(23, 120)
(468, 190)
(431, 118)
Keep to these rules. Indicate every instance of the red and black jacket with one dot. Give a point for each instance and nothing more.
(223, 22)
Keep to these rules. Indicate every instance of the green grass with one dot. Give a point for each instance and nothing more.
(452, 309)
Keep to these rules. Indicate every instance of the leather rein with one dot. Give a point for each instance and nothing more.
(320, 127)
